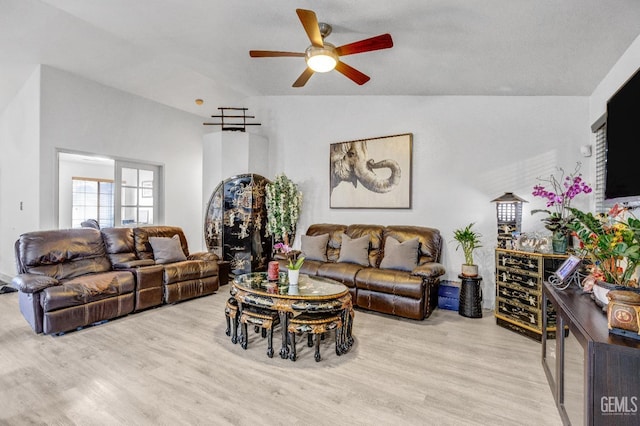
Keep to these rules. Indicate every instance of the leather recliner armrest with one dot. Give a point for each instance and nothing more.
(31, 283)
(429, 270)
(134, 264)
(203, 255)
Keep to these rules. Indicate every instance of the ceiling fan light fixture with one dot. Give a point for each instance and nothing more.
(321, 59)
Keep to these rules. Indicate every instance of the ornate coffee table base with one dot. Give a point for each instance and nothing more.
(315, 296)
(284, 321)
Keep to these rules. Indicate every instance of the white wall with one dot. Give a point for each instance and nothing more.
(84, 116)
(19, 171)
(227, 154)
(58, 110)
(466, 152)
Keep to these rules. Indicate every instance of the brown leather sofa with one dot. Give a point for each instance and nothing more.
(409, 293)
(65, 280)
(129, 249)
(72, 278)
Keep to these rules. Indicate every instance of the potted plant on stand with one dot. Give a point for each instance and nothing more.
(469, 240)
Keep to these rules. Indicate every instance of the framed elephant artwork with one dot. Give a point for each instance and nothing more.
(371, 173)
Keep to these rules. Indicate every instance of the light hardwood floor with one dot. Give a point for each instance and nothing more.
(174, 365)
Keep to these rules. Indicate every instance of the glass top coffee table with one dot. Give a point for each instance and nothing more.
(311, 295)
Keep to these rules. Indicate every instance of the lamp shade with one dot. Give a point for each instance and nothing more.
(509, 215)
(508, 197)
(321, 59)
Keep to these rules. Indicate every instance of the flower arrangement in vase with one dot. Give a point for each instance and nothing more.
(295, 261)
(612, 242)
(562, 191)
(283, 201)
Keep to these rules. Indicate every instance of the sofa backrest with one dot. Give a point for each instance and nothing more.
(62, 254)
(375, 233)
(119, 244)
(430, 240)
(141, 238)
(335, 237)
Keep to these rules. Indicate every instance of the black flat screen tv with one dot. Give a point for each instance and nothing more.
(623, 143)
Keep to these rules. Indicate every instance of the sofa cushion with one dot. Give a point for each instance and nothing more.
(189, 270)
(62, 254)
(429, 238)
(390, 281)
(342, 272)
(167, 250)
(400, 255)
(375, 234)
(335, 237)
(355, 250)
(142, 234)
(315, 247)
(87, 289)
(119, 244)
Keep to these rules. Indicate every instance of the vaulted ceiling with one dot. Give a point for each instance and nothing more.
(174, 51)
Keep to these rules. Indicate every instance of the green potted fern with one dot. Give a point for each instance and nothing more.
(468, 240)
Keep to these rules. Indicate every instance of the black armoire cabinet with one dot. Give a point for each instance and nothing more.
(235, 223)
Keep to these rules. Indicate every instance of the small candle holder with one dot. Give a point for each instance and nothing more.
(273, 271)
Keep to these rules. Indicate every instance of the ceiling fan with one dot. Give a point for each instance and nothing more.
(324, 57)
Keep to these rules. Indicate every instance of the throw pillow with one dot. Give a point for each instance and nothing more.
(167, 250)
(314, 247)
(400, 255)
(354, 250)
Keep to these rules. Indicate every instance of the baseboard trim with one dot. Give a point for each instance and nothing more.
(6, 279)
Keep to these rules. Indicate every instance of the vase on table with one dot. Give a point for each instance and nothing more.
(294, 275)
(560, 242)
(601, 290)
(623, 313)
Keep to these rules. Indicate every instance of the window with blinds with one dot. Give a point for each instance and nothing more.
(601, 167)
(92, 199)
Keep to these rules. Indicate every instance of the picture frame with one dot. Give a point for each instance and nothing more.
(373, 173)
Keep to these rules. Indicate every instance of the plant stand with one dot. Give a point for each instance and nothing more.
(470, 305)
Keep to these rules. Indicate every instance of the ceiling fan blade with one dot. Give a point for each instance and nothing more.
(271, 53)
(382, 41)
(310, 24)
(352, 73)
(304, 77)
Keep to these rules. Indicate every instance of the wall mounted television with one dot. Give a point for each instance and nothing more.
(623, 144)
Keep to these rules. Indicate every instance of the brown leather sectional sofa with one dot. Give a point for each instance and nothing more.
(72, 278)
(404, 289)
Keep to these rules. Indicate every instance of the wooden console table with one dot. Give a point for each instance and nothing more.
(594, 376)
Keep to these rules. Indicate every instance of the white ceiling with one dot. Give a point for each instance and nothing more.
(174, 51)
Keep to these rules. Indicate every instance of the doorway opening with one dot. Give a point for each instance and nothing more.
(111, 191)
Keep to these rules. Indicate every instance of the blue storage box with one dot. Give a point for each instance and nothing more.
(449, 295)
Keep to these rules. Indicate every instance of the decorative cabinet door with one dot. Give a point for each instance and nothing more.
(519, 278)
(235, 223)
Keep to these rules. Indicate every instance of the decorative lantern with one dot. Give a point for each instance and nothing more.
(509, 214)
